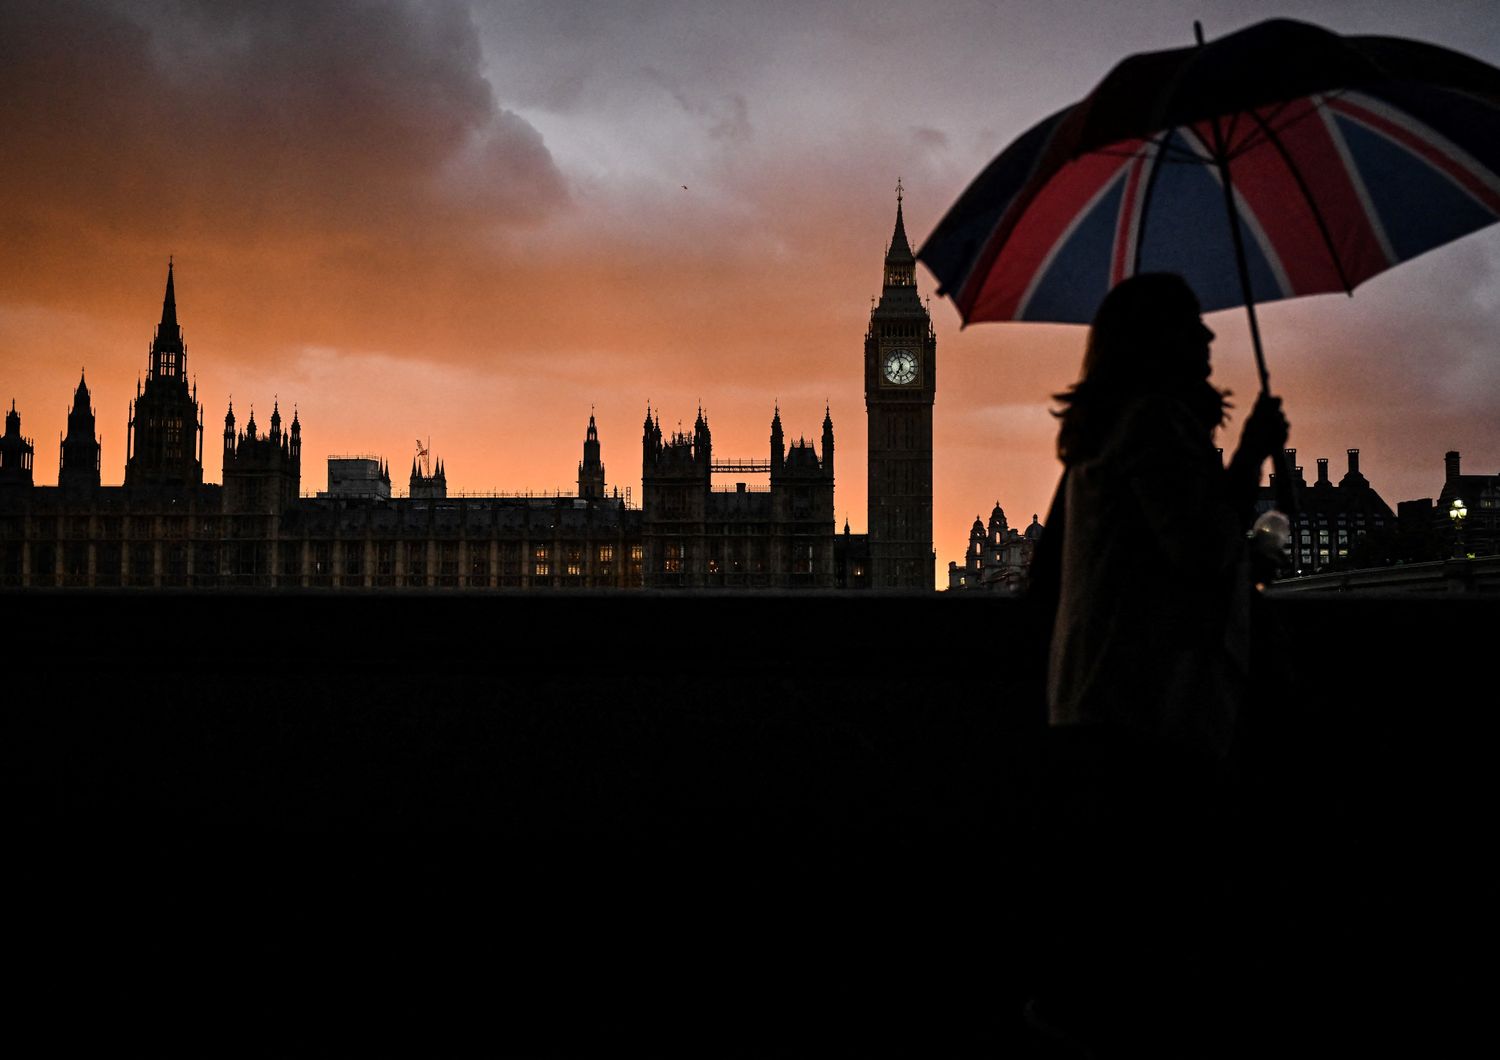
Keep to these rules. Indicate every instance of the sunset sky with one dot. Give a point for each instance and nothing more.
(468, 221)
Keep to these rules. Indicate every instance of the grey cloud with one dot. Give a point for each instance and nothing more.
(726, 116)
(266, 117)
(929, 138)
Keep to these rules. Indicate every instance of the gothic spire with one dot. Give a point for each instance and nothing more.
(168, 325)
(900, 251)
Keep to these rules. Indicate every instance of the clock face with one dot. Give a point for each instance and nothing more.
(900, 366)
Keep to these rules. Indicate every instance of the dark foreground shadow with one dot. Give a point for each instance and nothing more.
(692, 825)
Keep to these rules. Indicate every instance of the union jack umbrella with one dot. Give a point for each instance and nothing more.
(1281, 160)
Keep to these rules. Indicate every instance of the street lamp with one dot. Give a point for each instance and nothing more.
(1458, 513)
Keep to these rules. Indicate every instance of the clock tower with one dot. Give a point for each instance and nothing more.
(900, 383)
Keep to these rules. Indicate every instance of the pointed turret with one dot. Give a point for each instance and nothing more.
(261, 471)
(16, 452)
(78, 454)
(827, 442)
(169, 303)
(591, 467)
(778, 445)
(900, 262)
(900, 249)
(165, 430)
(168, 354)
(703, 440)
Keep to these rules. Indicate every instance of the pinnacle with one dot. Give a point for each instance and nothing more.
(169, 301)
(900, 249)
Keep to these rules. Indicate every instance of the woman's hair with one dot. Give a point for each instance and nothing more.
(1146, 338)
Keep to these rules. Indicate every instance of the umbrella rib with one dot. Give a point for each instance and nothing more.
(1267, 126)
(1307, 196)
(1161, 140)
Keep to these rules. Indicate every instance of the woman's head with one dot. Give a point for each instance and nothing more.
(1148, 332)
(1147, 337)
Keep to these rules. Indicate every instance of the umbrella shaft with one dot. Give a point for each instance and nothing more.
(1286, 495)
(1231, 208)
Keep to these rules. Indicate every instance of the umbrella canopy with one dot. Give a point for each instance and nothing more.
(1327, 159)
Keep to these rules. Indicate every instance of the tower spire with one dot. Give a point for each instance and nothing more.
(169, 305)
(900, 252)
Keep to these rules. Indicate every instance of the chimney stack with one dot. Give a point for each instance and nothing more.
(1322, 471)
(1353, 461)
(1450, 462)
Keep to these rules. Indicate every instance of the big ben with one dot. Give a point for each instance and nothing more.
(900, 384)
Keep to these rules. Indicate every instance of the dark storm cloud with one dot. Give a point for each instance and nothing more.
(263, 120)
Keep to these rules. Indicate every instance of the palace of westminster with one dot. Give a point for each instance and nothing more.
(165, 527)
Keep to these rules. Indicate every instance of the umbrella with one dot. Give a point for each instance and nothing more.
(1281, 160)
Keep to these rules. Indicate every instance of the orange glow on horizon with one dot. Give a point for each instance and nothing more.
(463, 225)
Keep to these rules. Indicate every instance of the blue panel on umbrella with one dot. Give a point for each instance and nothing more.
(1186, 231)
(1078, 278)
(1418, 206)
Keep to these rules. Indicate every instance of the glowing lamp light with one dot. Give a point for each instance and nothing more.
(1457, 511)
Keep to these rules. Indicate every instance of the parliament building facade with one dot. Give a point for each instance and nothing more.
(167, 528)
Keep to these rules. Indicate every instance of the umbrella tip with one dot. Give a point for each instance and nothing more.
(1198, 32)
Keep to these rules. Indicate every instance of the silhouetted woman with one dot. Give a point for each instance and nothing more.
(1147, 665)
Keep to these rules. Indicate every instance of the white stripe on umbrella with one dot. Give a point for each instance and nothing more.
(1357, 179)
(1079, 215)
(1247, 216)
(1447, 155)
